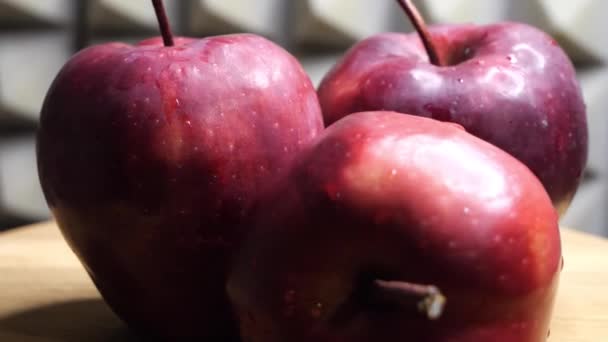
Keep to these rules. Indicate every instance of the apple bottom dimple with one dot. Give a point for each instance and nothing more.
(336, 307)
(319, 285)
(470, 318)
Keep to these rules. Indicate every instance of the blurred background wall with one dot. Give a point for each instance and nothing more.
(38, 36)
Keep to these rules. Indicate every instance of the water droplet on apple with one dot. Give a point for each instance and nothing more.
(460, 80)
(452, 244)
(275, 125)
(188, 123)
(316, 310)
(525, 261)
(393, 172)
(544, 123)
(466, 210)
(497, 238)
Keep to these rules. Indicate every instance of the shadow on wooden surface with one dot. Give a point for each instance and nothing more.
(73, 321)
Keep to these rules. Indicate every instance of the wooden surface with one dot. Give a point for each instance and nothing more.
(45, 294)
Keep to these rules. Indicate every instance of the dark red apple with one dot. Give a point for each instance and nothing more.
(384, 217)
(150, 157)
(508, 83)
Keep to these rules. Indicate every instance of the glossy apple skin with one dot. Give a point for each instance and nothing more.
(399, 197)
(509, 84)
(150, 158)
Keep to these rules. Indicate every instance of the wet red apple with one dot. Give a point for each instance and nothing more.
(394, 227)
(150, 157)
(507, 83)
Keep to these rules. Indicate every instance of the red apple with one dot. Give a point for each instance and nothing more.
(387, 214)
(150, 157)
(508, 83)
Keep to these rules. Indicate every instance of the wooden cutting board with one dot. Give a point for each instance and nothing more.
(45, 294)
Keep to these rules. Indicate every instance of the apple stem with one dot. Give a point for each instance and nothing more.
(421, 27)
(163, 22)
(428, 298)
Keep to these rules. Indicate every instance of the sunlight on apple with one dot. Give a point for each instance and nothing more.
(428, 80)
(513, 83)
(539, 60)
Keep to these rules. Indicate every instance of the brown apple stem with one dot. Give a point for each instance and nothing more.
(163, 22)
(428, 299)
(421, 27)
